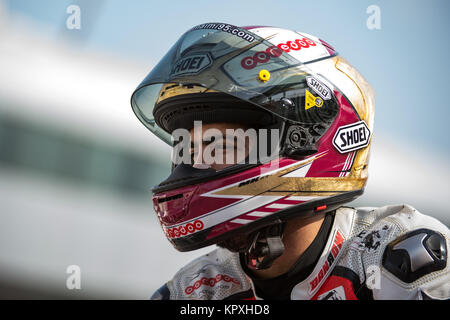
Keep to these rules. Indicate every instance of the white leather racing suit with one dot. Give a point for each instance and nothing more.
(392, 252)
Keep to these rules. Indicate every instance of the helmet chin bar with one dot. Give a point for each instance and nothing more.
(266, 246)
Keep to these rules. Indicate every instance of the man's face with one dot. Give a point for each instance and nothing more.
(219, 145)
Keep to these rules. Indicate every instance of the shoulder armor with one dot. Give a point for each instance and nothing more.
(216, 275)
(415, 254)
(399, 253)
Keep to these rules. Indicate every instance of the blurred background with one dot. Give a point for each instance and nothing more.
(76, 166)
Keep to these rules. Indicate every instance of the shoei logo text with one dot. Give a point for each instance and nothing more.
(319, 88)
(190, 65)
(352, 137)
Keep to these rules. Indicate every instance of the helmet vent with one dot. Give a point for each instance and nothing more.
(176, 196)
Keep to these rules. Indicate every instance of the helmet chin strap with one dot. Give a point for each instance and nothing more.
(265, 246)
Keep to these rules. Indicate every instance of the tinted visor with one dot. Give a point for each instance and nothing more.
(230, 60)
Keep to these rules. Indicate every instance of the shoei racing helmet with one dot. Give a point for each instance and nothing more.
(263, 77)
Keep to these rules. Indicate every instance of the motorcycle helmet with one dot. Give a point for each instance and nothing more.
(263, 78)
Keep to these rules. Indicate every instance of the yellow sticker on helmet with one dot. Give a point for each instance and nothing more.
(312, 101)
(264, 75)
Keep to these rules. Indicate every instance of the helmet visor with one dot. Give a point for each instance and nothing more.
(227, 59)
